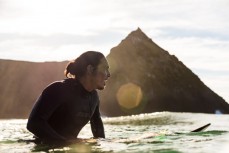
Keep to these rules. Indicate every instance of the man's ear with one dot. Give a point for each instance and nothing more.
(90, 69)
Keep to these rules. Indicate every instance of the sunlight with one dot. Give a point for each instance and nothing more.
(56, 31)
(47, 17)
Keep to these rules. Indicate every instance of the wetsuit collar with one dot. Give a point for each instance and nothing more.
(78, 83)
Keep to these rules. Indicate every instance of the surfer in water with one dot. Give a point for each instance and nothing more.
(65, 107)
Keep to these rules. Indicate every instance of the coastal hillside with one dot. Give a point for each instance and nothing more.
(21, 84)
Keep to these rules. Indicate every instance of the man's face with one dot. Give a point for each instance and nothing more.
(102, 74)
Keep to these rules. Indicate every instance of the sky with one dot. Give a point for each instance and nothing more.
(195, 31)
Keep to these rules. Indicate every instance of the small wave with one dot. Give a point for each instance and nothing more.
(161, 118)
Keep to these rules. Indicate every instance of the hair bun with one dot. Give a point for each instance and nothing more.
(69, 69)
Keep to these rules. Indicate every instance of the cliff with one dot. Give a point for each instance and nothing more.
(146, 78)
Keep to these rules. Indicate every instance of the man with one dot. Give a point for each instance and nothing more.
(65, 107)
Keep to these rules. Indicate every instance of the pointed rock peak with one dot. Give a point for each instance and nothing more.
(137, 35)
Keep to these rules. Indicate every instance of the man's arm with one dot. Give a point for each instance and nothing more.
(97, 124)
(43, 109)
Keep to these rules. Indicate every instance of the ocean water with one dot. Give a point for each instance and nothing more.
(144, 133)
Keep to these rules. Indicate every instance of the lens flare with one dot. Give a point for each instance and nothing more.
(129, 95)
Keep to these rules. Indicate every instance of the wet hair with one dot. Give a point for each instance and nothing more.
(78, 67)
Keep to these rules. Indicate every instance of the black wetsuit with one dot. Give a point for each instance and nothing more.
(62, 110)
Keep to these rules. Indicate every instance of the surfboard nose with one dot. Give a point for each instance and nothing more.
(202, 128)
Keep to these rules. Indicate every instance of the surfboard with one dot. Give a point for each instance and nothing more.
(199, 129)
(134, 139)
(152, 134)
(202, 128)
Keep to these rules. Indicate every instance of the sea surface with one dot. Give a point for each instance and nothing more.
(144, 133)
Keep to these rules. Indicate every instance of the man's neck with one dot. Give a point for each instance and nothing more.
(86, 83)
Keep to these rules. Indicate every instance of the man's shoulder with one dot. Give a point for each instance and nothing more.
(56, 85)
